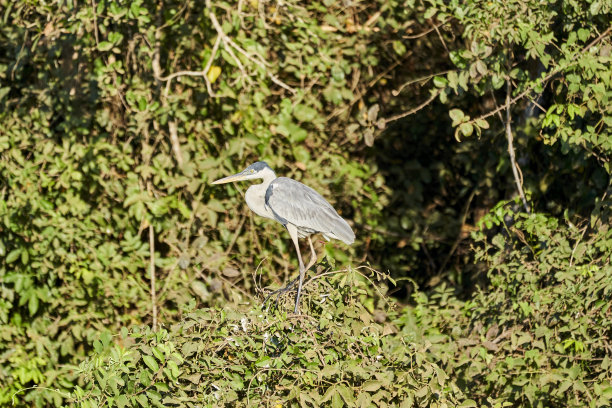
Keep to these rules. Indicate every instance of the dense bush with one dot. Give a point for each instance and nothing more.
(539, 335)
(122, 271)
(344, 352)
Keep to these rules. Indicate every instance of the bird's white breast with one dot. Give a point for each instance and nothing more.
(256, 200)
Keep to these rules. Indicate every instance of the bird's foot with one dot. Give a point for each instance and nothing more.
(281, 291)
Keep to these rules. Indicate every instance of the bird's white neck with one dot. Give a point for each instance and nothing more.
(256, 195)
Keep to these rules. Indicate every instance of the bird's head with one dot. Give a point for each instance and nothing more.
(257, 170)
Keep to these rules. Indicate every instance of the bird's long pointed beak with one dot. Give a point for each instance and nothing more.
(229, 179)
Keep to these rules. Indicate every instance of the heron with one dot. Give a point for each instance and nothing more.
(299, 208)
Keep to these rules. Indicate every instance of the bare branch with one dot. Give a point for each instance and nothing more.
(458, 239)
(152, 275)
(422, 34)
(176, 146)
(425, 78)
(414, 110)
(236, 234)
(259, 61)
(229, 50)
(440, 37)
(517, 180)
(202, 73)
(95, 21)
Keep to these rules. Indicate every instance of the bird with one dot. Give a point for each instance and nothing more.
(299, 208)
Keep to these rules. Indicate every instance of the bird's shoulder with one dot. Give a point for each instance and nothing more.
(285, 188)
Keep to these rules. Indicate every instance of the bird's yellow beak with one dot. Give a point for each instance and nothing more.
(236, 177)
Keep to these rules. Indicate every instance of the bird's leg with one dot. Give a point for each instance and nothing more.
(300, 278)
(279, 292)
(313, 257)
(294, 237)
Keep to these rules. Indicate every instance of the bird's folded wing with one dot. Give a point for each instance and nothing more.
(295, 203)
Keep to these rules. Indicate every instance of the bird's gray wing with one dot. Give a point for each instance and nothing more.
(296, 203)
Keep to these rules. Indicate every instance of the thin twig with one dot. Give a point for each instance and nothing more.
(95, 24)
(595, 41)
(441, 38)
(176, 146)
(261, 8)
(64, 394)
(422, 34)
(584, 230)
(201, 73)
(259, 61)
(152, 275)
(458, 240)
(236, 234)
(414, 110)
(95, 21)
(513, 163)
(182, 73)
(258, 288)
(229, 50)
(172, 126)
(19, 55)
(397, 91)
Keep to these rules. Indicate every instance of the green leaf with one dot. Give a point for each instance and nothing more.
(162, 387)
(151, 363)
(265, 362)
(33, 304)
(481, 67)
(399, 47)
(106, 338)
(122, 401)
(372, 385)
(174, 369)
(430, 12)
(346, 393)
(595, 7)
(482, 123)
(105, 45)
(456, 115)
(336, 400)
(13, 255)
(215, 205)
(158, 354)
(466, 129)
(440, 81)
(304, 113)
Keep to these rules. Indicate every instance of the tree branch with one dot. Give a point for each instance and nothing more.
(152, 275)
(513, 163)
(259, 61)
(202, 73)
(176, 146)
(414, 110)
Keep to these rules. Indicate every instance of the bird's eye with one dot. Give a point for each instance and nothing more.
(252, 171)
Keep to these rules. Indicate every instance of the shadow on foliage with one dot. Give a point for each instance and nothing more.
(440, 188)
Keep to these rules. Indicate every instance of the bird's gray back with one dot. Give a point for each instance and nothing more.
(296, 203)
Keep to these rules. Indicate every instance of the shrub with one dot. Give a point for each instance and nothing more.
(539, 335)
(345, 351)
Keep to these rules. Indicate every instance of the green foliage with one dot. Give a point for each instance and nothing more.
(507, 40)
(345, 352)
(539, 334)
(114, 116)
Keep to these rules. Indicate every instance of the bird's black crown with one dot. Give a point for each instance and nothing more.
(258, 166)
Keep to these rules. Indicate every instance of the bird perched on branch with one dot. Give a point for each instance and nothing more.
(300, 209)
